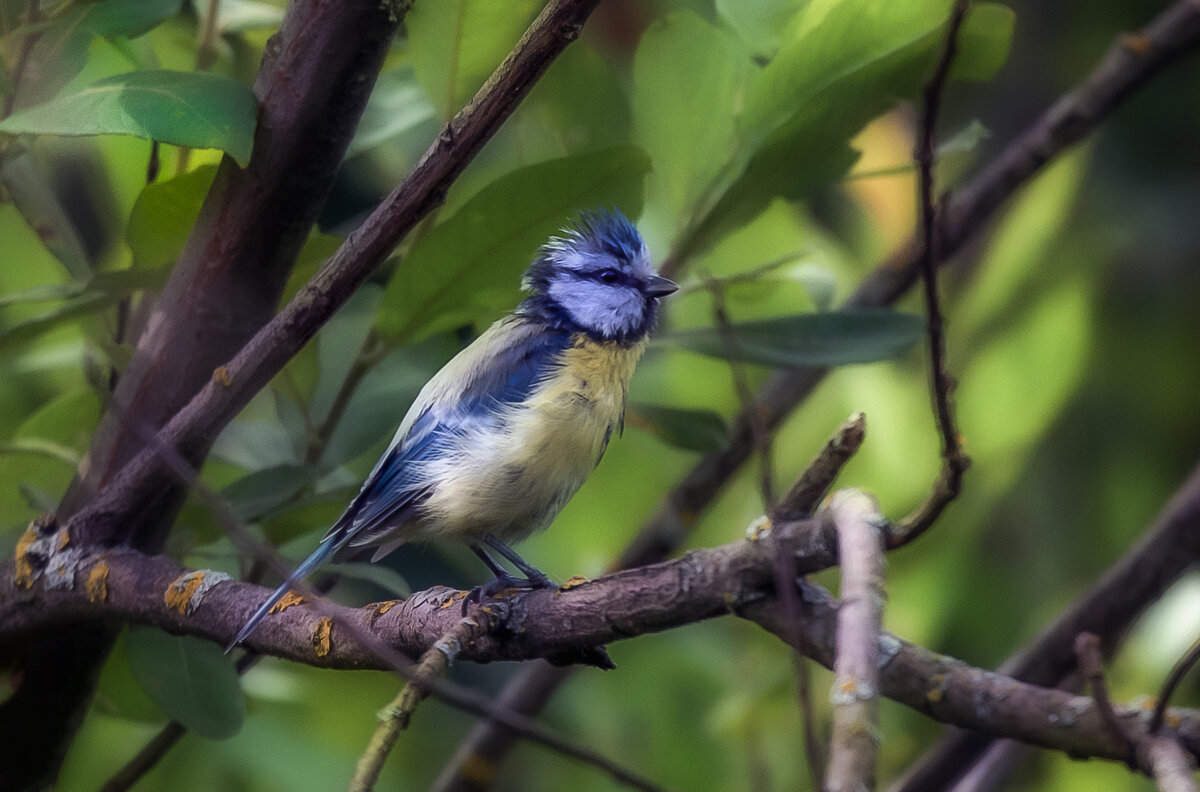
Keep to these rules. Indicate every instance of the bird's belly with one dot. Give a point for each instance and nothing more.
(513, 478)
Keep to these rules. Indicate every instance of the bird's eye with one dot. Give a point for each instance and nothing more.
(609, 276)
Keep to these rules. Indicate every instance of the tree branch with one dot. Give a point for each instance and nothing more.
(949, 690)
(854, 741)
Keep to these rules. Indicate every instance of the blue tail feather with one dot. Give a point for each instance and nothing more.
(306, 568)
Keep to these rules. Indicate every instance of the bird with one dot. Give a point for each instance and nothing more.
(499, 440)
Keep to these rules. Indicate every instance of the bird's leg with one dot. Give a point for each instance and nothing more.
(536, 578)
(502, 580)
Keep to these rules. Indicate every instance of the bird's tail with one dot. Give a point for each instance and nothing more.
(306, 568)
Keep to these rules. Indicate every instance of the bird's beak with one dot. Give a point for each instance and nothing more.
(658, 286)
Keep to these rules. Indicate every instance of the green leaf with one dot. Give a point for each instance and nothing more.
(260, 493)
(838, 338)
(193, 109)
(985, 40)
(693, 430)
(61, 42)
(683, 49)
(759, 22)
(841, 63)
(29, 188)
(382, 576)
(111, 17)
(469, 266)
(104, 289)
(192, 680)
(397, 104)
(163, 216)
(456, 44)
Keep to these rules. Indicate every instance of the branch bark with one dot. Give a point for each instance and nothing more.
(313, 84)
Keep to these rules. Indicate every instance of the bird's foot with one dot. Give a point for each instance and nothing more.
(504, 582)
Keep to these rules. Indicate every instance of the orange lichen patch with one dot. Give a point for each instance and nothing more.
(24, 573)
(221, 375)
(457, 596)
(1137, 43)
(572, 582)
(289, 599)
(478, 771)
(383, 607)
(936, 693)
(97, 583)
(64, 539)
(322, 637)
(182, 589)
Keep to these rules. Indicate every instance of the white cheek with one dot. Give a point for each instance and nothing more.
(608, 310)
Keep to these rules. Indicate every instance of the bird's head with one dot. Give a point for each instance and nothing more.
(597, 278)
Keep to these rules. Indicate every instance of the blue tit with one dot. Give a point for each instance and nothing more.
(502, 437)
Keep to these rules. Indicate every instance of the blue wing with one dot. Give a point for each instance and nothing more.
(502, 367)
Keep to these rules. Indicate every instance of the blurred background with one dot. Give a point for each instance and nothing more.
(1072, 320)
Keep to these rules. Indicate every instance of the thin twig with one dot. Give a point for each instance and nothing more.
(32, 13)
(1182, 666)
(395, 717)
(1091, 666)
(805, 494)
(854, 739)
(762, 436)
(955, 460)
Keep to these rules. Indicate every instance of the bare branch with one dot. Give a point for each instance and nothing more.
(854, 744)
(1091, 665)
(1169, 764)
(949, 690)
(1169, 546)
(955, 460)
(1178, 672)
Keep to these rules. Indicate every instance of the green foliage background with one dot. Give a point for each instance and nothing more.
(743, 135)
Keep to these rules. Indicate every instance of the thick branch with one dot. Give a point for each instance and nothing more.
(949, 690)
(559, 625)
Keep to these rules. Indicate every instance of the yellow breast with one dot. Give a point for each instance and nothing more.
(512, 482)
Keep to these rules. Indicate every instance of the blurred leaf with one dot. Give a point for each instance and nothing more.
(31, 193)
(397, 104)
(382, 576)
(40, 447)
(254, 445)
(102, 290)
(759, 22)
(456, 44)
(236, 16)
(469, 266)
(109, 17)
(842, 63)
(822, 339)
(693, 430)
(986, 38)
(338, 347)
(257, 494)
(193, 109)
(60, 48)
(192, 680)
(966, 139)
(163, 216)
(681, 50)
